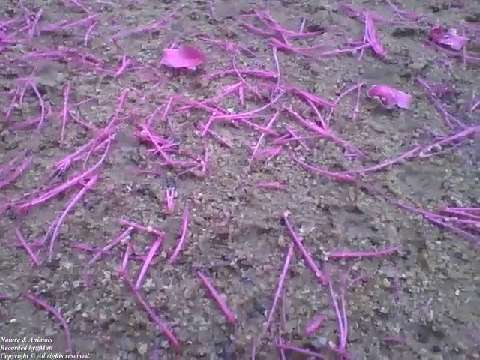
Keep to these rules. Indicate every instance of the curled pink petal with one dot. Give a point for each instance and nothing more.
(390, 96)
(183, 57)
(448, 38)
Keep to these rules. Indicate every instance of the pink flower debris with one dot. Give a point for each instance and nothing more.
(244, 121)
(22, 85)
(325, 133)
(183, 235)
(475, 103)
(472, 213)
(451, 141)
(151, 253)
(32, 121)
(170, 195)
(292, 136)
(70, 56)
(448, 37)
(11, 171)
(226, 90)
(339, 305)
(91, 249)
(123, 236)
(309, 261)
(281, 281)
(32, 20)
(273, 29)
(409, 154)
(200, 105)
(450, 120)
(27, 247)
(309, 97)
(70, 24)
(224, 142)
(256, 73)
(139, 227)
(88, 33)
(267, 154)
(24, 206)
(390, 97)
(36, 300)
(407, 15)
(167, 109)
(55, 227)
(395, 340)
(348, 254)
(126, 62)
(342, 177)
(103, 139)
(160, 324)
(458, 224)
(371, 36)
(66, 93)
(466, 218)
(356, 110)
(229, 46)
(317, 52)
(271, 185)
(314, 324)
(252, 113)
(152, 26)
(229, 314)
(281, 352)
(159, 144)
(78, 4)
(309, 353)
(122, 270)
(358, 13)
(206, 127)
(244, 82)
(183, 57)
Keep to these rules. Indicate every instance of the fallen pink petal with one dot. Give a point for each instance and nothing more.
(448, 37)
(390, 97)
(183, 57)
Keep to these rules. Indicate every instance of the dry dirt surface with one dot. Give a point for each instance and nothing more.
(248, 193)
